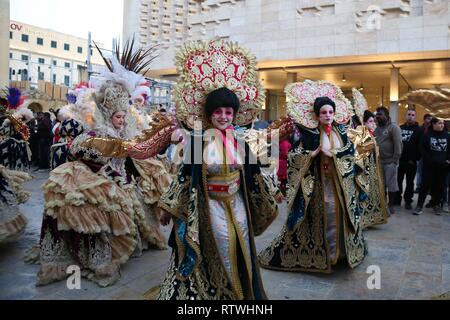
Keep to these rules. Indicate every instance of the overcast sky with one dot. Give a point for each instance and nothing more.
(102, 17)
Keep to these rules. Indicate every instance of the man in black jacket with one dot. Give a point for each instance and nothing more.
(408, 161)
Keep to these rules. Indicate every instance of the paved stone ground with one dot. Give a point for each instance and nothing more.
(413, 253)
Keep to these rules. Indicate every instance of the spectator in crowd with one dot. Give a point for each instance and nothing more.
(45, 140)
(423, 130)
(436, 158)
(408, 161)
(389, 140)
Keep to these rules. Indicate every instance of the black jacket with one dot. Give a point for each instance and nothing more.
(436, 148)
(411, 142)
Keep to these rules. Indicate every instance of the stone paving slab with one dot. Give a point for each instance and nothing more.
(412, 252)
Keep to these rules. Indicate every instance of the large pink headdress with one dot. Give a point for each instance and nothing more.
(300, 97)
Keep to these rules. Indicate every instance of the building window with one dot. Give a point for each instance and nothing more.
(67, 81)
(40, 41)
(41, 60)
(54, 62)
(24, 57)
(24, 37)
(66, 46)
(54, 44)
(66, 64)
(10, 74)
(80, 50)
(54, 79)
(24, 75)
(10, 55)
(10, 34)
(40, 75)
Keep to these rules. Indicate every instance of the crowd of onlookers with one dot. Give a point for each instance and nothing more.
(419, 153)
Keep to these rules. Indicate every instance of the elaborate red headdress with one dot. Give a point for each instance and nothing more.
(207, 66)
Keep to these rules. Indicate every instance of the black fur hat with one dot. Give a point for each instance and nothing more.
(322, 101)
(367, 115)
(219, 98)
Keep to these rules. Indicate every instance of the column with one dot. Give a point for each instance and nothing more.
(394, 94)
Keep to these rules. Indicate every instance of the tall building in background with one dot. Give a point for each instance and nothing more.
(38, 54)
(385, 48)
(4, 42)
(159, 22)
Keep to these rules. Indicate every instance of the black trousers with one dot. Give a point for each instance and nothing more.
(409, 170)
(433, 177)
(44, 153)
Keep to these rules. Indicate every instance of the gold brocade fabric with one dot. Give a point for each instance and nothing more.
(142, 147)
(369, 178)
(108, 147)
(221, 229)
(363, 141)
(304, 246)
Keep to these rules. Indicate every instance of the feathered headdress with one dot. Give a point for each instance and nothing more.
(15, 98)
(126, 67)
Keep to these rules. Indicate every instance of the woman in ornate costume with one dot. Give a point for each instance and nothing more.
(152, 178)
(94, 216)
(324, 223)
(368, 177)
(12, 222)
(217, 207)
(14, 133)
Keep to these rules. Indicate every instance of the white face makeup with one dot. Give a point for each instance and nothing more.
(370, 124)
(326, 115)
(222, 118)
(118, 120)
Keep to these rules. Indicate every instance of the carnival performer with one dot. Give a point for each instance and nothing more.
(67, 127)
(218, 204)
(14, 133)
(67, 130)
(152, 178)
(368, 175)
(93, 216)
(12, 222)
(324, 223)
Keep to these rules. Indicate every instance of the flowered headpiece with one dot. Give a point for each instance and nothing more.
(359, 104)
(300, 99)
